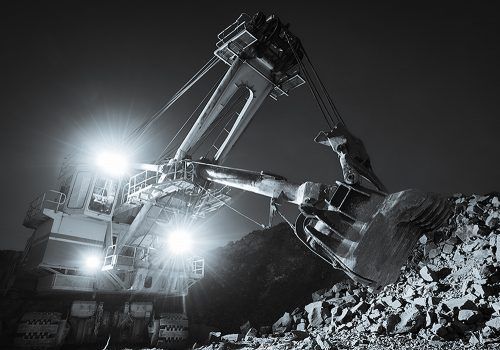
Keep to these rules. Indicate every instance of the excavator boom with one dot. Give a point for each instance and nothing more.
(356, 227)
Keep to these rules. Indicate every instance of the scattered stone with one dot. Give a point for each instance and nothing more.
(448, 249)
(284, 324)
(299, 335)
(494, 323)
(473, 340)
(487, 332)
(449, 291)
(419, 301)
(482, 254)
(496, 306)
(361, 307)
(495, 202)
(297, 314)
(344, 317)
(391, 322)
(245, 327)
(318, 295)
(214, 337)
(231, 338)
(497, 254)
(458, 257)
(439, 330)
(459, 304)
(323, 343)
(428, 275)
(251, 334)
(317, 312)
(469, 316)
(493, 219)
(301, 326)
(462, 233)
(411, 320)
(391, 302)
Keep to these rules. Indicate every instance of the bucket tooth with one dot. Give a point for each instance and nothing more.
(436, 217)
(422, 217)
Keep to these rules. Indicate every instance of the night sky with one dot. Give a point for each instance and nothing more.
(418, 83)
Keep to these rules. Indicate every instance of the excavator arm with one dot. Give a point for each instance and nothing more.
(363, 231)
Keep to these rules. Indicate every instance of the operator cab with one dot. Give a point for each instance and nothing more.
(82, 190)
(92, 194)
(71, 224)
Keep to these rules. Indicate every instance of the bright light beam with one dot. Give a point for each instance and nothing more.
(114, 164)
(92, 262)
(179, 242)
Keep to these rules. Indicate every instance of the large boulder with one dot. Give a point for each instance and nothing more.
(410, 320)
(317, 312)
(284, 324)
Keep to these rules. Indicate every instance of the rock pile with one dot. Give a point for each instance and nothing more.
(448, 296)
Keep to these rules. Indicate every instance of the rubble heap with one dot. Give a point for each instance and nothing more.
(448, 296)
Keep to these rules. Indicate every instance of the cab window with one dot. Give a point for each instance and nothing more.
(80, 190)
(103, 195)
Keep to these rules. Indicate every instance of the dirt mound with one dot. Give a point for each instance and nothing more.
(256, 278)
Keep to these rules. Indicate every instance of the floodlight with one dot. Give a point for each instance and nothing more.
(112, 163)
(179, 241)
(92, 262)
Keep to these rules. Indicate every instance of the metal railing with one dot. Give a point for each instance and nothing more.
(126, 256)
(197, 267)
(148, 178)
(230, 30)
(212, 199)
(129, 254)
(142, 180)
(51, 199)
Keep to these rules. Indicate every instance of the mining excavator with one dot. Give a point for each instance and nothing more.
(120, 223)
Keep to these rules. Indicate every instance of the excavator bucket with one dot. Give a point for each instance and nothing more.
(369, 234)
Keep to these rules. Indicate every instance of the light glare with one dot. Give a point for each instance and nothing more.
(113, 163)
(179, 242)
(92, 262)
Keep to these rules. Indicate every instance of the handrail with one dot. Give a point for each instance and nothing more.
(111, 250)
(236, 23)
(196, 264)
(124, 193)
(147, 178)
(230, 30)
(41, 202)
(61, 199)
(141, 181)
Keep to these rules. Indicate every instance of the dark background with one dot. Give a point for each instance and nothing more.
(419, 83)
